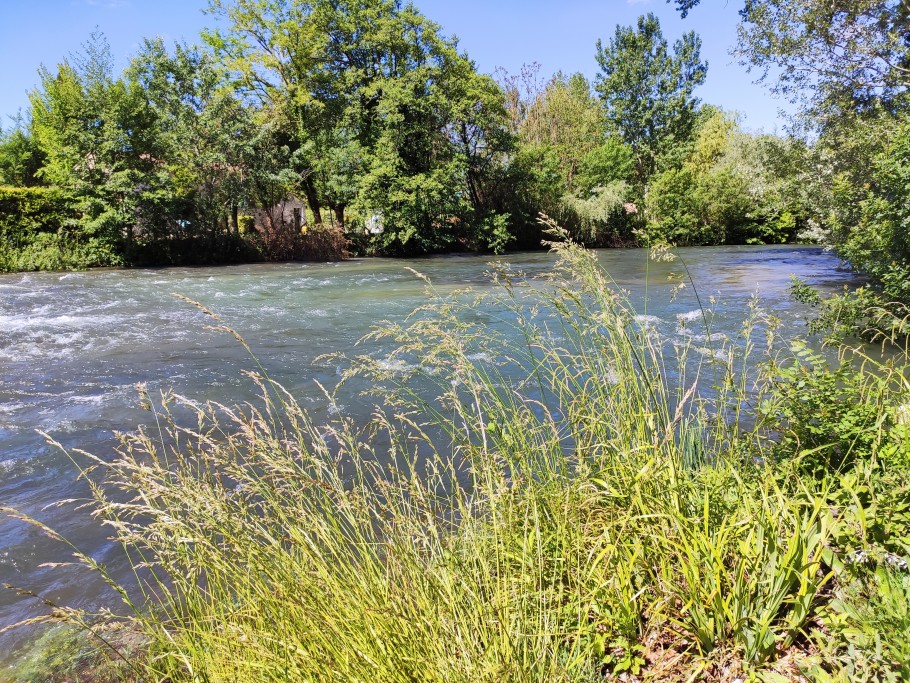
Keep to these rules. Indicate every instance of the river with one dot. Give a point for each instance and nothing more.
(73, 347)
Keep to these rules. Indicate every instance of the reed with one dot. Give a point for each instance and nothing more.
(560, 494)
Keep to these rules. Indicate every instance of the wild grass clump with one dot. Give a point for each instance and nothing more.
(557, 494)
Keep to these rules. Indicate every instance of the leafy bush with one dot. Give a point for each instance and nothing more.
(598, 219)
(864, 312)
(828, 417)
(38, 232)
(25, 211)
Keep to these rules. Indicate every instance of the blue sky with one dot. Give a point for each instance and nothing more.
(560, 35)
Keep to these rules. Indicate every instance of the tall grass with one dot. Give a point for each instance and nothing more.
(559, 494)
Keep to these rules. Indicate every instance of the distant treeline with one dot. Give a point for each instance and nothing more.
(390, 142)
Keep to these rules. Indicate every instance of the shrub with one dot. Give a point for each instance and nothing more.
(37, 232)
(25, 211)
(828, 416)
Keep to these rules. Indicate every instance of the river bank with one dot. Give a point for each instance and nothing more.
(125, 325)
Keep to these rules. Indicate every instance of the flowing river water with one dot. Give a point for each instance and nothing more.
(74, 346)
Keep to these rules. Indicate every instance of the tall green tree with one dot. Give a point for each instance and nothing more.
(568, 118)
(647, 89)
(97, 136)
(211, 148)
(277, 53)
(380, 111)
(572, 170)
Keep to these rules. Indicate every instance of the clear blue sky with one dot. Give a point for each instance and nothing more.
(560, 35)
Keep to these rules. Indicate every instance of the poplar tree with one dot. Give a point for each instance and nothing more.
(646, 89)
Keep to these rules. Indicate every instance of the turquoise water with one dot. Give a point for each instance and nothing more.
(73, 347)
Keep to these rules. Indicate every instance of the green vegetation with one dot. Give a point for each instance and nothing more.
(394, 144)
(565, 497)
(387, 139)
(845, 62)
(590, 502)
(647, 93)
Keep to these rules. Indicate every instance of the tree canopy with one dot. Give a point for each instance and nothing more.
(647, 89)
(308, 128)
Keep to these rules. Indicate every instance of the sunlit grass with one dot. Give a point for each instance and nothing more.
(560, 494)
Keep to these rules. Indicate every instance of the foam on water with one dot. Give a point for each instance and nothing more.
(11, 407)
(717, 354)
(15, 323)
(610, 377)
(395, 366)
(373, 279)
(690, 316)
(714, 337)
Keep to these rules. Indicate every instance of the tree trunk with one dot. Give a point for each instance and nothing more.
(235, 226)
(339, 215)
(312, 200)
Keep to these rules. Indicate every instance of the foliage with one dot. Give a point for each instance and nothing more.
(851, 47)
(20, 159)
(211, 156)
(830, 417)
(869, 625)
(25, 211)
(97, 136)
(850, 313)
(598, 218)
(382, 114)
(568, 167)
(869, 227)
(647, 90)
(38, 231)
(880, 243)
(609, 162)
(732, 187)
(674, 212)
(566, 118)
(371, 116)
(846, 63)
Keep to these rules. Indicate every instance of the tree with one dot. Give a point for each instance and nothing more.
(276, 51)
(879, 244)
(847, 62)
(857, 49)
(379, 110)
(209, 144)
(97, 136)
(566, 117)
(733, 187)
(647, 91)
(20, 158)
(570, 168)
(609, 162)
